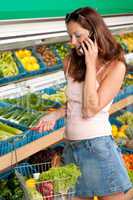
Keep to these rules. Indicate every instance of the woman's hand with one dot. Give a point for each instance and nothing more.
(91, 52)
(46, 123)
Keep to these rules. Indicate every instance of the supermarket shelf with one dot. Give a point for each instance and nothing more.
(33, 84)
(46, 141)
(121, 104)
(22, 153)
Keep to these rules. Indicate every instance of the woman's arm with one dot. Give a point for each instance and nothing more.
(94, 100)
(48, 122)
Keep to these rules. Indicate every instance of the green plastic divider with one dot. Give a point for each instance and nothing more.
(56, 8)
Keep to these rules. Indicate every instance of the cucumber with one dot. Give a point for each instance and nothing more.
(9, 129)
(4, 110)
(19, 116)
(25, 121)
(34, 122)
(5, 135)
(16, 114)
(7, 115)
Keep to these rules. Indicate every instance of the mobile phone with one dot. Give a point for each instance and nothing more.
(81, 50)
(92, 37)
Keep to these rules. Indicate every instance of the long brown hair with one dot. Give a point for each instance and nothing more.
(108, 48)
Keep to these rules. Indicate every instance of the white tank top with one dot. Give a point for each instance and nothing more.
(78, 128)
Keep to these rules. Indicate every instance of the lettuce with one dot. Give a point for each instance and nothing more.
(64, 177)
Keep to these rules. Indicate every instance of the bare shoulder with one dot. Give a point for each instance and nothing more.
(116, 68)
(66, 63)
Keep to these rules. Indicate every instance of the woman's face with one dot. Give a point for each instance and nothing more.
(77, 35)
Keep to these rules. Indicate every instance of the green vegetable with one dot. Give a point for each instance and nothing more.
(64, 177)
(10, 189)
(130, 173)
(129, 132)
(9, 129)
(126, 118)
(8, 66)
(5, 110)
(5, 135)
(31, 101)
(34, 194)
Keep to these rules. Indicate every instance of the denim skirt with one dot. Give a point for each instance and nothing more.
(102, 168)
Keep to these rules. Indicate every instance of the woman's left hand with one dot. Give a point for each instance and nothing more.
(91, 52)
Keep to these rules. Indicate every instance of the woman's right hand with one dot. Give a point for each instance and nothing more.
(46, 123)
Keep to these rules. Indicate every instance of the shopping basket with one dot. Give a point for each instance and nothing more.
(49, 190)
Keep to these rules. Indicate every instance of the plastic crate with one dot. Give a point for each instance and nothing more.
(52, 68)
(13, 143)
(28, 171)
(59, 124)
(6, 174)
(125, 92)
(65, 47)
(34, 72)
(21, 126)
(28, 136)
(126, 150)
(114, 121)
(53, 89)
(5, 80)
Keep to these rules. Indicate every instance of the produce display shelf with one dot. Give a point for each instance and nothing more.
(51, 139)
(22, 153)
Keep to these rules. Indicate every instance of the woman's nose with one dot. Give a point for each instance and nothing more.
(73, 41)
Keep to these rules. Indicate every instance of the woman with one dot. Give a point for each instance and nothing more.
(95, 70)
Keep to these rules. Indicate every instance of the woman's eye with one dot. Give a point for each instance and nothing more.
(77, 36)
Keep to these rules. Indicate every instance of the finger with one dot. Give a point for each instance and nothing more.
(42, 128)
(45, 128)
(52, 124)
(84, 48)
(88, 45)
(40, 123)
(48, 126)
(93, 44)
(90, 42)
